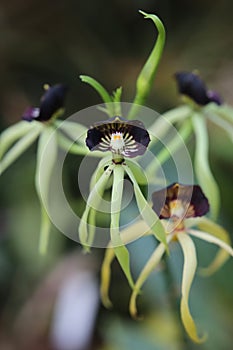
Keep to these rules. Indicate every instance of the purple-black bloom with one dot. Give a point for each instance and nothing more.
(52, 100)
(193, 86)
(180, 201)
(120, 136)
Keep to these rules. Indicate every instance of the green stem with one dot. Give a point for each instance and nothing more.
(147, 74)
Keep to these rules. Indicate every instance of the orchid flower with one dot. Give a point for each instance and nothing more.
(41, 123)
(180, 207)
(125, 139)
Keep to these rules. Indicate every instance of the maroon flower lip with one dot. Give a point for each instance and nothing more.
(193, 86)
(120, 136)
(180, 201)
(52, 100)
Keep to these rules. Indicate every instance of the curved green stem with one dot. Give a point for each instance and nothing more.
(147, 74)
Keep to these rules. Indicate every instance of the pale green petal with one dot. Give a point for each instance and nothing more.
(93, 201)
(129, 234)
(106, 276)
(223, 124)
(171, 147)
(46, 158)
(201, 163)
(147, 270)
(165, 122)
(214, 229)
(19, 147)
(190, 264)
(76, 131)
(147, 213)
(120, 250)
(12, 134)
(211, 239)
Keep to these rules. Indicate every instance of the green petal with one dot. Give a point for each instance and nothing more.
(223, 124)
(211, 239)
(168, 151)
(190, 264)
(18, 148)
(147, 213)
(76, 131)
(201, 164)
(120, 250)
(46, 159)
(163, 124)
(12, 134)
(146, 77)
(214, 229)
(129, 234)
(106, 276)
(93, 202)
(147, 270)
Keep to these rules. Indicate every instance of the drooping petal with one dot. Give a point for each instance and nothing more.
(120, 249)
(215, 230)
(128, 138)
(202, 166)
(146, 211)
(211, 239)
(46, 158)
(106, 276)
(190, 264)
(19, 147)
(181, 201)
(129, 234)
(12, 134)
(93, 202)
(147, 270)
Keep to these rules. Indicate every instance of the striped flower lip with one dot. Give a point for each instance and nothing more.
(120, 136)
(51, 102)
(193, 86)
(180, 201)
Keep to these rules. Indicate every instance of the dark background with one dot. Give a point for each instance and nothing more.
(50, 42)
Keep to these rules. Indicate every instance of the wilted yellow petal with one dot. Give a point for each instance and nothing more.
(148, 268)
(190, 264)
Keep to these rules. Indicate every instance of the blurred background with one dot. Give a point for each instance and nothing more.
(52, 302)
